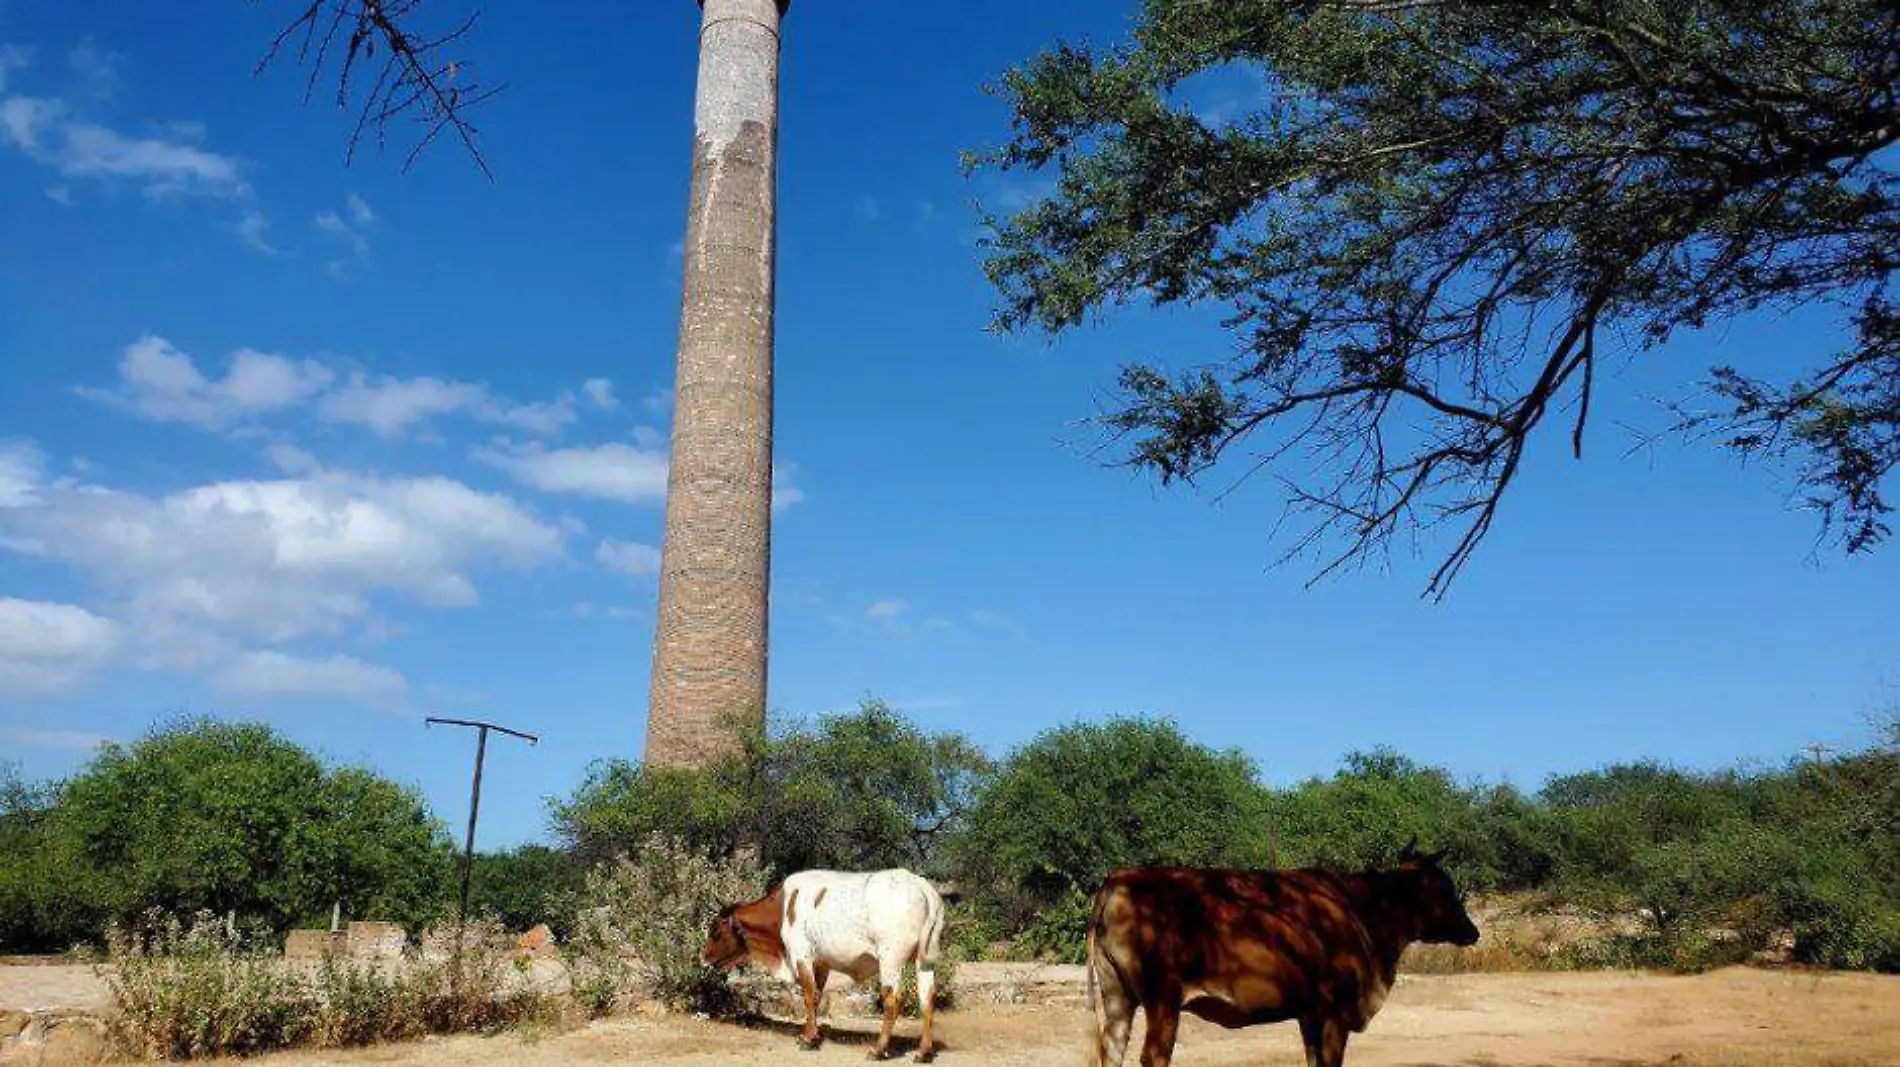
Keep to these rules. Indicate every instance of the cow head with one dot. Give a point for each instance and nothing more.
(726, 946)
(1441, 913)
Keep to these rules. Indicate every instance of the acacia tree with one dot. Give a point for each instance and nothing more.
(1443, 216)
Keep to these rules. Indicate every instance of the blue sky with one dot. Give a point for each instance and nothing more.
(338, 448)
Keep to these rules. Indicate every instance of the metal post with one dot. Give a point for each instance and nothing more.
(475, 794)
(474, 809)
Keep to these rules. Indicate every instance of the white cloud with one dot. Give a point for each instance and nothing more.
(601, 392)
(275, 560)
(60, 195)
(352, 235)
(611, 471)
(21, 468)
(629, 557)
(49, 133)
(64, 740)
(784, 493)
(161, 383)
(254, 228)
(271, 675)
(50, 648)
(885, 609)
(292, 460)
(544, 418)
(352, 239)
(389, 406)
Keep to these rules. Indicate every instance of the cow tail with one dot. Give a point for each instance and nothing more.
(932, 942)
(1096, 1007)
(1094, 957)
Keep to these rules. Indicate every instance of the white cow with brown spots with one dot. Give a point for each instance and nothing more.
(817, 922)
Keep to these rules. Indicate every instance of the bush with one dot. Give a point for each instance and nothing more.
(944, 991)
(191, 989)
(1059, 932)
(1083, 800)
(188, 989)
(229, 818)
(656, 907)
(859, 791)
(526, 886)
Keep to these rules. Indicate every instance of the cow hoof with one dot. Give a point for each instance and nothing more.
(880, 1054)
(809, 1044)
(927, 1055)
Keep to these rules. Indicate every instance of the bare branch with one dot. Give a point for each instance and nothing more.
(419, 79)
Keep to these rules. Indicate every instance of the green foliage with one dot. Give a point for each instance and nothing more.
(870, 790)
(857, 791)
(188, 989)
(28, 881)
(645, 916)
(227, 818)
(1439, 218)
(1060, 931)
(1083, 800)
(1716, 866)
(525, 886)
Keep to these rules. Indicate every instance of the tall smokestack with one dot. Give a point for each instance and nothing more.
(709, 649)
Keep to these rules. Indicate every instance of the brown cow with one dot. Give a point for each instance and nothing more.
(1240, 948)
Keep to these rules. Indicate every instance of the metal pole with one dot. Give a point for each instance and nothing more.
(474, 809)
(475, 793)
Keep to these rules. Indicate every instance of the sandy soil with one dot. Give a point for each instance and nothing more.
(1735, 1018)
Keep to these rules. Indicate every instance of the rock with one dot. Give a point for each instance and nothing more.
(12, 1023)
(74, 1043)
(312, 944)
(536, 942)
(376, 940)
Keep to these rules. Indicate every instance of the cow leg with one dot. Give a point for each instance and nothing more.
(820, 977)
(888, 997)
(890, 977)
(1325, 1042)
(1114, 1013)
(808, 984)
(927, 1000)
(1163, 1013)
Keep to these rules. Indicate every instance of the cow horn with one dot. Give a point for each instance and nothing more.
(1410, 851)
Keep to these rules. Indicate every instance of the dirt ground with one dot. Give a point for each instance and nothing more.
(1735, 1018)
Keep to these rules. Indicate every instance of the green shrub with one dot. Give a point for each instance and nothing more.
(1059, 932)
(192, 989)
(858, 791)
(1080, 801)
(229, 818)
(944, 991)
(526, 886)
(188, 989)
(655, 906)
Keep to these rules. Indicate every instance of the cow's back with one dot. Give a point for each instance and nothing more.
(1252, 946)
(848, 919)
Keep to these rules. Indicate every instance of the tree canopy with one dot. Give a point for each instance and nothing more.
(1441, 218)
(231, 818)
(860, 790)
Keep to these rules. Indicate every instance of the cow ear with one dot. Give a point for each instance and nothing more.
(1438, 857)
(1410, 851)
